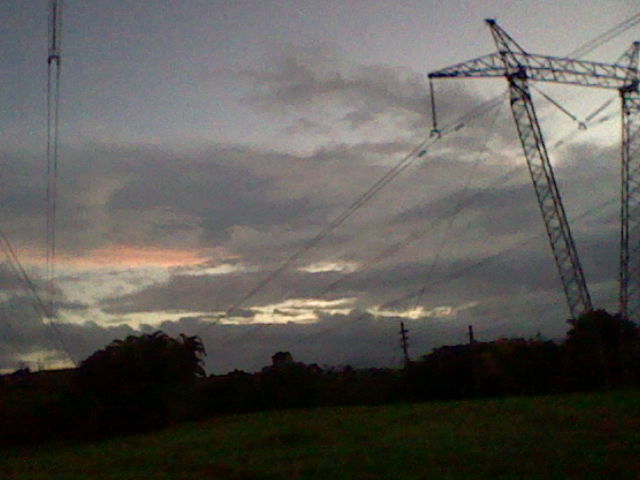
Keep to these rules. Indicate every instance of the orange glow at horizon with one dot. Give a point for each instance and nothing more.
(126, 255)
(119, 256)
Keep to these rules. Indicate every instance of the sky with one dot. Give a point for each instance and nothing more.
(205, 144)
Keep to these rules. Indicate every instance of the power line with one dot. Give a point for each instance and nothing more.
(455, 275)
(601, 39)
(417, 152)
(464, 270)
(414, 236)
(455, 126)
(38, 303)
(462, 204)
(451, 277)
(605, 37)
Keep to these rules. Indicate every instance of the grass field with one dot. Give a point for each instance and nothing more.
(580, 436)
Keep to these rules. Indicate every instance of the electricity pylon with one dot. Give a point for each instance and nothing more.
(519, 67)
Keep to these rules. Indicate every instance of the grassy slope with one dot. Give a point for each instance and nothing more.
(592, 436)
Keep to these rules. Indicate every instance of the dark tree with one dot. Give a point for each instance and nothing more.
(601, 350)
(288, 384)
(447, 372)
(141, 382)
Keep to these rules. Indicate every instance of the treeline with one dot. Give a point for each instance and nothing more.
(150, 381)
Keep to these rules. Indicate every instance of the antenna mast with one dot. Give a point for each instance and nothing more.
(53, 104)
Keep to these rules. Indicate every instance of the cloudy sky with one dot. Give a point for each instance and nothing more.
(204, 145)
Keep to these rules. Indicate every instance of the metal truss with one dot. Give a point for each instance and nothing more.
(519, 67)
(630, 192)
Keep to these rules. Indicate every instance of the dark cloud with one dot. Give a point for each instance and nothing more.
(362, 339)
(359, 339)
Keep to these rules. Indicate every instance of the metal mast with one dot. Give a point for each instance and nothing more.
(53, 105)
(630, 192)
(519, 67)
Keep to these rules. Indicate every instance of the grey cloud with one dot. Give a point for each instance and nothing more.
(299, 77)
(78, 306)
(142, 196)
(506, 307)
(263, 206)
(215, 292)
(146, 196)
(358, 119)
(8, 278)
(25, 334)
(487, 225)
(485, 276)
(243, 313)
(307, 126)
(501, 210)
(22, 184)
(218, 189)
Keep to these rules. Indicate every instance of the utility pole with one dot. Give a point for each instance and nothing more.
(404, 342)
(473, 360)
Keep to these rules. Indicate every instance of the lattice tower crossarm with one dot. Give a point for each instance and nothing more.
(541, 68)
(630, 193)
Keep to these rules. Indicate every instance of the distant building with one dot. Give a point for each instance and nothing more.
(281, 358)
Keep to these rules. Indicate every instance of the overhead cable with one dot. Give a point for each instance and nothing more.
(417, 152)
(39, 305)
(605, 37)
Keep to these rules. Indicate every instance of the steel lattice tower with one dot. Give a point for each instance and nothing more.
(519, 67)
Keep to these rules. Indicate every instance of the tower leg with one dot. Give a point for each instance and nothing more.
(630, 205)
(549, 200)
